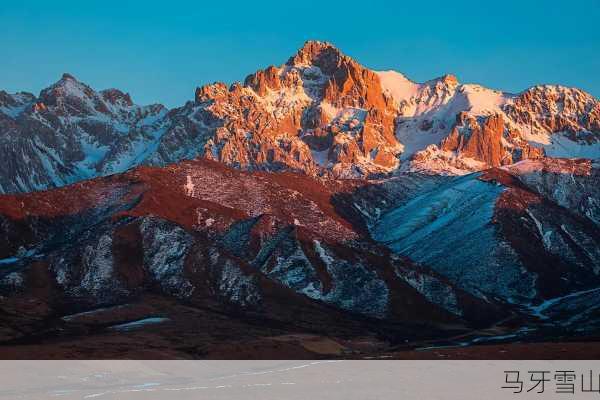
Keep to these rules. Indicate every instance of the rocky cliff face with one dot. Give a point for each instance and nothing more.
(549, 108)
(321, 113)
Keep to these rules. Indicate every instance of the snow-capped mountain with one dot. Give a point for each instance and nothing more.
(320, 113)
(451, 128)
(316, 198)
(70, 133)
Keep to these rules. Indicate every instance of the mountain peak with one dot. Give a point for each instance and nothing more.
(314, 52)
(449, 79)
(67, 76)
(316, 45)
(66, 86)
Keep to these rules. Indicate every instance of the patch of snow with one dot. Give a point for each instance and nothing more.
(22, 253)
(13, 112)
(433, 160)
(98, 266)
(545, 236)
(329, 110)
(541, 309)
(326, 258)
(296, 272)
(71, 317)
(483, 101)
(165, 248)
(94, 153)
(354, 287)
(429, 126)
(238, 287)
(398, 86)
(433, 289)
(560, 145)
(139, 323)
(14, 279)
(189, 186)
(281, 102)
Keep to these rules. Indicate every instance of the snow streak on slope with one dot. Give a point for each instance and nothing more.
(450, 230)
(559, 145)
(398, 86)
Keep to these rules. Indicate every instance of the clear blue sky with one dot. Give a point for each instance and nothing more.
(160, 51)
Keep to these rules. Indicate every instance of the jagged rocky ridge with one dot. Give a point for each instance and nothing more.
(320, 113)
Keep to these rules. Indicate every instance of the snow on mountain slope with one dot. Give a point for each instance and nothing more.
(561, 145)
(510, 235)
(449, 229)
(12, 105)
(71, 132)
(544, 120)
(572, 184)
(399, 87)
(323, 112)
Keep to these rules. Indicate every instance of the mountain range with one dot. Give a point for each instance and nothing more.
(318, 209)
(320, 113)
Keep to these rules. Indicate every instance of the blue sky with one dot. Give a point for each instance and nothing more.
(160, 51)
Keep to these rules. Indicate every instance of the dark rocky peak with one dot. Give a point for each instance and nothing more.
(117, 97)
(320, 54)
(67, 76)
(66, 91)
